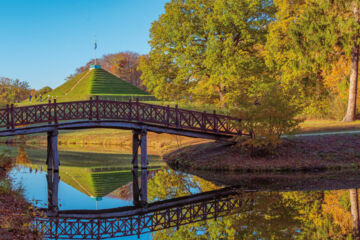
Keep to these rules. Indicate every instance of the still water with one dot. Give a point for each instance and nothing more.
(103, 191)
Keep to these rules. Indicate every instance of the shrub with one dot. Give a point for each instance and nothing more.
(266, 115)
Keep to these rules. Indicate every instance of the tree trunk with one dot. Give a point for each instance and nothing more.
(355, 212)
(354, 69)
(222, 92)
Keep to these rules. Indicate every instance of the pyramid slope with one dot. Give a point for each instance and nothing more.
(98, 184)
(104, 83)
(94, 82)
(78, 84)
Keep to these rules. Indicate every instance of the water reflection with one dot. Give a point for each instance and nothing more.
(168, 204)
(141, 218)
(223, 213)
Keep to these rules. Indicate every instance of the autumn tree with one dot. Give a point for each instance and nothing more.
(354, 199)
(206, 49)
(13, 90)
(307, 41)
(44, 90)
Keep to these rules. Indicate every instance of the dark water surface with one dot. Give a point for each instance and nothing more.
(101, 196)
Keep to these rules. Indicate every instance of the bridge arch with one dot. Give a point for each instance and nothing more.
(95, 113)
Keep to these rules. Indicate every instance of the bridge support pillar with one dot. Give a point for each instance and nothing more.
(144, 183)
(140, 193)
(53, 180)
(135, 153)
(52, 160)
(139, 141)
(136, 192)
(143, 142)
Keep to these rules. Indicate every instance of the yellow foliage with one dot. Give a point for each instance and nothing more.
(335, 208)
(22, 158)
(271, 114)
(336, 75)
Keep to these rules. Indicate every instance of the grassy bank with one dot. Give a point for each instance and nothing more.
(296, 154)
(159, 143)
(328, 125)
(15, 212)
(107, 140)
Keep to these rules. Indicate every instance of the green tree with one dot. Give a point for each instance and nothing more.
(206, 49)
(264, 215)
(44, 90)
(306, 42)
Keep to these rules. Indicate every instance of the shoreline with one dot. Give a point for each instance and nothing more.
(308, 153)
(16, 211)
(301, 152)
(110, 140)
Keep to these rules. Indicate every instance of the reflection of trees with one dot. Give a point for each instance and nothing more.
(355, 212)
(271, 215)
(22, 158)
(168, 184)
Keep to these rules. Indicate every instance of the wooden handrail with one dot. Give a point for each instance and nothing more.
(166, 116)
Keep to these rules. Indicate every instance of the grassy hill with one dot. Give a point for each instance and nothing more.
(95, 82)
(105, 83)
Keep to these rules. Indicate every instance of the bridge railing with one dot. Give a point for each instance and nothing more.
(96, 109)
(100, 228)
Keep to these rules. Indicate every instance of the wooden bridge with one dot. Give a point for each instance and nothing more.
(133, 220)
(95, 113)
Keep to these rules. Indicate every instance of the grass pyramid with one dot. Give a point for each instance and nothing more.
(97, 82)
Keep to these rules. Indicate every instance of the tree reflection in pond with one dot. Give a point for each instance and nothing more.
(265, 215)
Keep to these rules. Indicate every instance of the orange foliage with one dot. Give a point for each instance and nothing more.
(22, 158)
(335, 207)
(337, 75)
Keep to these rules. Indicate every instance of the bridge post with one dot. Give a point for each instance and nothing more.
(143, 142)
(97, 108)
(8, 116)
(136, 191)
(12, 116)
(90, 108)
(52, 160)
(53, 180)
(144, 183)
(135, 153)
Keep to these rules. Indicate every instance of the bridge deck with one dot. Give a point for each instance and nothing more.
(129, 221)
(112, 114)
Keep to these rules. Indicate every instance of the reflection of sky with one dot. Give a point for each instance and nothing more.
(34, 185)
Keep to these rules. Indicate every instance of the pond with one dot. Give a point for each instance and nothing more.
(100, 196)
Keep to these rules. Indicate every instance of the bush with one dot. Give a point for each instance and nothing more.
(265, 116)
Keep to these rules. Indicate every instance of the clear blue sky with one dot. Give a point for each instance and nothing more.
(44, 41)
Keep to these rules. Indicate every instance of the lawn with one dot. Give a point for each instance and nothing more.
(328, 125)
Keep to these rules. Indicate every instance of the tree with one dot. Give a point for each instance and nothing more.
(44, 90)
(306, 42)
(123, 65)
(13, 90)
(206, 49)
(354, 70)
(354, 200)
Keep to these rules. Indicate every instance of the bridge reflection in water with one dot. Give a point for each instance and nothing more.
(141, 218)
